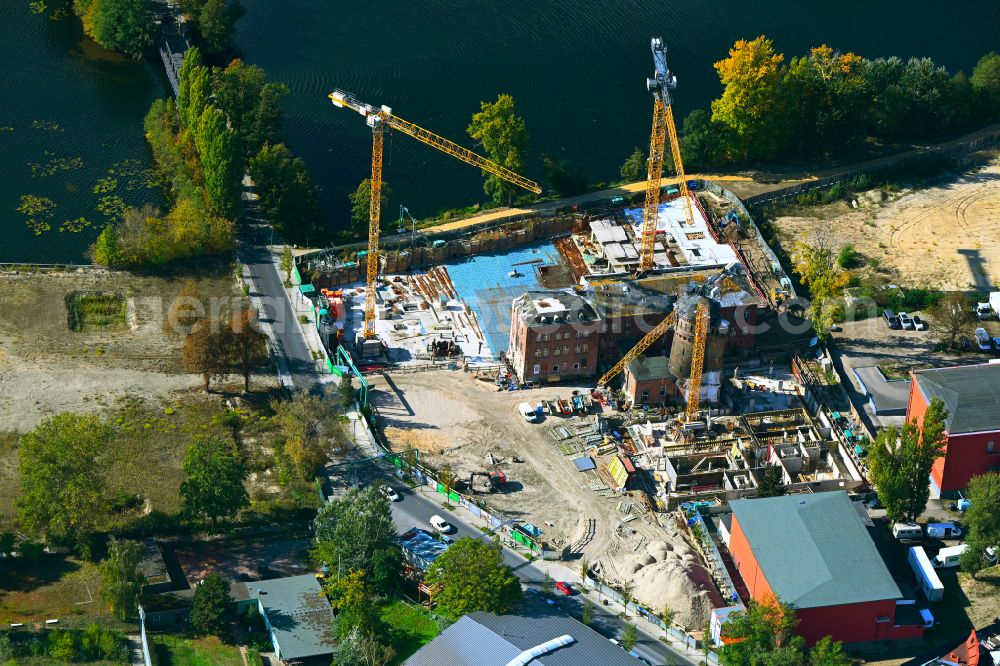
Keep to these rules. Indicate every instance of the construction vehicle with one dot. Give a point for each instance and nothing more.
(380, 119)
(660, 85)
(494, 481)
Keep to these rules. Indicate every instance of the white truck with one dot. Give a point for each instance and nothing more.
(995, 302)
(949, 557)
(927, 578)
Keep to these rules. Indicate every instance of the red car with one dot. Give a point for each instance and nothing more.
(564, 588)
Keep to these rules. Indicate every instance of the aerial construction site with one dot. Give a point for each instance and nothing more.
(588, 374)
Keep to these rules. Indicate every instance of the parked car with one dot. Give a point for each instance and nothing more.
(389, 493)
(441, 525)
(984, 310)
(527, 411)
(964, 344)
(635, 655)
(919, 324)
(875, 503)
(564, 588)
(905, 321)
(891, 320)
(983, 340)
(996, 343)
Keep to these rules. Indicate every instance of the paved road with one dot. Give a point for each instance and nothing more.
(415, 510)
(266, 283)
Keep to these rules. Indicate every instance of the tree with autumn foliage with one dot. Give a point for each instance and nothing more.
(205, 352)
(816, 264)
(750, 105)
(245, 343)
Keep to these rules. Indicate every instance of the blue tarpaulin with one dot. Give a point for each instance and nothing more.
(584, 463)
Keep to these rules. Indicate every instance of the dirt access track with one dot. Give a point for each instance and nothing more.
(946, 236)
(454, 418)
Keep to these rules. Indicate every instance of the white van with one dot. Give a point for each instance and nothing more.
(943, 531)
(948, 557)
(527, 411)
(907, 531)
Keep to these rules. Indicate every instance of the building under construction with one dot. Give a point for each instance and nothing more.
(736, 455)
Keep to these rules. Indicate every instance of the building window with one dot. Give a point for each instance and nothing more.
(585, 347)
(583, 362)
(545, 337)
(663, 390)
(555, 367)
(538, 353)
(538, 337)
(545, 353)
(565, 350)
(576, 349)
(576, 366)
(537, 369)
(628, 327)
(991, 447)
(644, 397)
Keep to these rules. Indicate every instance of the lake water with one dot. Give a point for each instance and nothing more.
(70, 111)
(577, 69)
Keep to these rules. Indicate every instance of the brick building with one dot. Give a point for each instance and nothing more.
(616, 316)
(971, 394)
(814, 553)
(553, 336)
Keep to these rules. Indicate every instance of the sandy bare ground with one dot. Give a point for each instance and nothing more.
(46, 368)
(946, 236)
(452, 417)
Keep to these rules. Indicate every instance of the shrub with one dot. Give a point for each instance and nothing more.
(847, 256)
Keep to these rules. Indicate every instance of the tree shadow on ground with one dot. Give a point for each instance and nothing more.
(22, 575)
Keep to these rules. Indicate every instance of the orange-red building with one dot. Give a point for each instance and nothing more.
(971, 394)
(814, 553)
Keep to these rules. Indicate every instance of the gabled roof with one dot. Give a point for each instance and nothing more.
(484, 639)
(814, 550)
(971, 393)
(300, 616)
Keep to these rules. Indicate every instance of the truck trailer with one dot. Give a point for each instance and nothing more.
(927, 578)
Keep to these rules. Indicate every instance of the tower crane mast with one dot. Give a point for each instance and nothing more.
(379, 119)
(660, 85)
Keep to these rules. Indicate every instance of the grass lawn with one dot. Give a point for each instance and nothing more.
(410, 628)
(179, 651)
(58, 587)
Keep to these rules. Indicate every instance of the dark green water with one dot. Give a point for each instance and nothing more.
(65, 102)
(576, 67)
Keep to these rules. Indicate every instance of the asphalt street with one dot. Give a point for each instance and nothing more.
(267, 284)
(415, 510)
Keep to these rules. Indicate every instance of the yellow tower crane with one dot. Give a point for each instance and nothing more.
(697, 362)
(660, 85)
(379, 119)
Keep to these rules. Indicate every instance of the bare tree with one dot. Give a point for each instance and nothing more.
(952, 317)
(205, 351)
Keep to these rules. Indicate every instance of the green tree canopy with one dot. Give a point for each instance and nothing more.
(763, 635)
(983, 520)
(121, 25)
(215, 481)
(250, 103)
(563, 176)
(287, 195)
(121, 579)
(355, 531)
(504, 138)
(986, 75)
(473, 577)
(634, 167)
(217, 24)
(210, 605)
(361, 206)
(62, 490)
(901, 461)
(953, 317)
(750, 103)
(220, 152)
